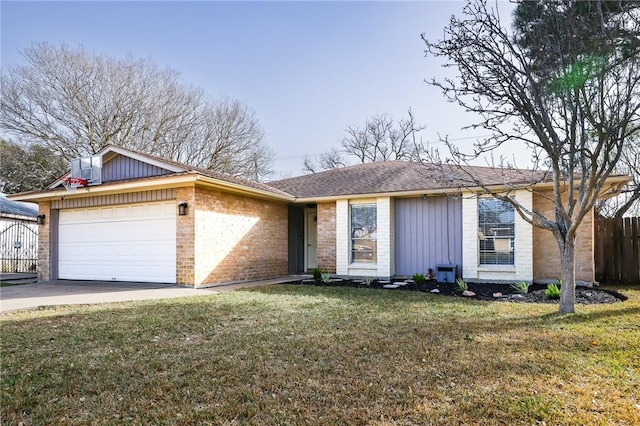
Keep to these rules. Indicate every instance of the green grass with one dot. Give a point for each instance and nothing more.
(289, 355)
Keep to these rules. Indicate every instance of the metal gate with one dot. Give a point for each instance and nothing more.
(19, 248)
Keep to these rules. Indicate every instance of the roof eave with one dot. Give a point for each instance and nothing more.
(242, 189)
(108, 188)
(614, 183)
(146, 184)
(4, 215)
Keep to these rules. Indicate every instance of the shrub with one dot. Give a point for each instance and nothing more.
(461, 284)
(368, 280)
(552, 292)
(418, 278)
(325, 278)
(317, 273)
(520, 287)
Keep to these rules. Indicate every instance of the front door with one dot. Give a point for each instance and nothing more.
(311, 237)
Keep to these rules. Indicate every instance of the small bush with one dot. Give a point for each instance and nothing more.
(552, 292)
(520, 287)
(317, 273)
(325, 278)
(461, 284)
(368, 280)
(418, 278)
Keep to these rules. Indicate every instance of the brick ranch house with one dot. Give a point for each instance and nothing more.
(148, 219)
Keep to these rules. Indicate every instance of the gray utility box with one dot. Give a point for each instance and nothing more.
(446, 273)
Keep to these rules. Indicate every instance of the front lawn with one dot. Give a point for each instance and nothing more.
(316, 355)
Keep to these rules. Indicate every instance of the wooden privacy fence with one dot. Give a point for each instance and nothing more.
(617, 250)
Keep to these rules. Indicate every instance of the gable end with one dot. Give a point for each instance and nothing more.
(122, 167)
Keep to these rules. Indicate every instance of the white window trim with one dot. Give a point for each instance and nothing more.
(472, 270)
(497, 266)
(362, 265)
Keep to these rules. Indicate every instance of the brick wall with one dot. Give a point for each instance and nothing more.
(342, 237)
(385, 219)
(546, 254)
(185, 237)
(44, 242)
(326, 250)
(469, 236)
(524, 239)
(238, 238)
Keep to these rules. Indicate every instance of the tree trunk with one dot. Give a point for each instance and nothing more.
(568, 276)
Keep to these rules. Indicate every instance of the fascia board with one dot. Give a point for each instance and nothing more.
(241, 189)
(170, 181)
(614, 181)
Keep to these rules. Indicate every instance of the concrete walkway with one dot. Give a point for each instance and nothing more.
(67, 292)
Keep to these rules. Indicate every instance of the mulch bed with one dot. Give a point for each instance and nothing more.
(483, 291)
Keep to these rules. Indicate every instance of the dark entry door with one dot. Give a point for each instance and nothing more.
(296, 240)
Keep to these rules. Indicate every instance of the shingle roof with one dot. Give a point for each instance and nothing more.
(361, 179)
(17, 208)
(398, 176)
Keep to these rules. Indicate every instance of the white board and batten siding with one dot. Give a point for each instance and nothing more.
(124, 242)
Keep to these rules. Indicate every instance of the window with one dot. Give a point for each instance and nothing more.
(364, 233)
(496, 232)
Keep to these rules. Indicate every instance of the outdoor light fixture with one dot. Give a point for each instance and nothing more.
(182, 209)
(40, 219)
(424, 197)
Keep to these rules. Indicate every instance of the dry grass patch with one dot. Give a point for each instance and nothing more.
(314, 355)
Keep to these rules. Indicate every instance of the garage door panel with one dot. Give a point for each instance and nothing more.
(140, 273)
(118, 243)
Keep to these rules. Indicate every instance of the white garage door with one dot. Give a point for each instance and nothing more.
(134, 242)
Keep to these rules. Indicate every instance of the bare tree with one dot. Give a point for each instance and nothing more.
(328, 160)
(308, 165)
(628, 202)
(575, 106)
(381, 138)
(76, 102)
(28, 168)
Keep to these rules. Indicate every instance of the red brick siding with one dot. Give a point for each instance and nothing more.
(185, 235)
(260, 227)
(326, 251)
(44, 242)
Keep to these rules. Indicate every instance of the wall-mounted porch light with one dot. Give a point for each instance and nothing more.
(182, 209)
(423, 196)
(40, 219)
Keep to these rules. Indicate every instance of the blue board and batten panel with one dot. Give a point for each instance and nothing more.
(122, 168)
(427, 233)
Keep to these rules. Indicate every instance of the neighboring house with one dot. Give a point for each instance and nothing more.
(18, 236)
(144, 218)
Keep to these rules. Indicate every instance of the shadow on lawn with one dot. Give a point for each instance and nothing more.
(531, 313)
(362, 295)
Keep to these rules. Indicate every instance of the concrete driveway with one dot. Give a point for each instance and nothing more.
(68, 292)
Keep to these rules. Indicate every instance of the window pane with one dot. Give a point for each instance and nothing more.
(364, 233)
(496, 232)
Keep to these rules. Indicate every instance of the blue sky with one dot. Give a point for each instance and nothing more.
(308, 69)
